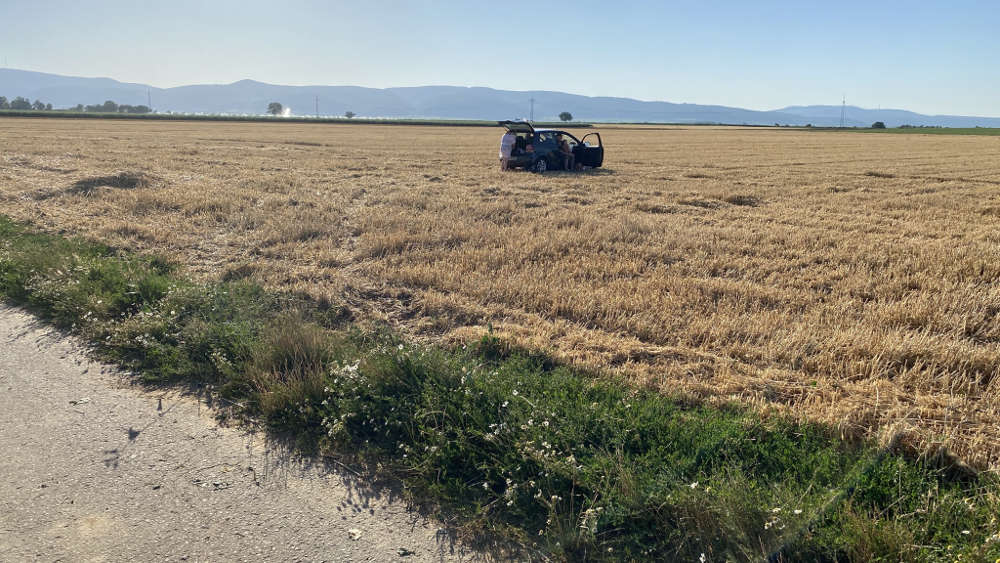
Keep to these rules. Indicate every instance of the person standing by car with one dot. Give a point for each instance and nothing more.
(569, 159)
(506, 147)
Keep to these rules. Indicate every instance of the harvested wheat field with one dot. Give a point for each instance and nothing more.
(848, 278)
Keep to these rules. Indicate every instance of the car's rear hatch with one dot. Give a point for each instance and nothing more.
(517, 126)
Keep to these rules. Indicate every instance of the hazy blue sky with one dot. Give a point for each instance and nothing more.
(939, 57)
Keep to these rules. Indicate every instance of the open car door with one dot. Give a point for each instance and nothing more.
(589, 154)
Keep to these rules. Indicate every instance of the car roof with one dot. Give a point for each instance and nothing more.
(558, 131)
(526, 127)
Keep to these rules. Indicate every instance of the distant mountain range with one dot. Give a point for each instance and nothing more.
(454, 102)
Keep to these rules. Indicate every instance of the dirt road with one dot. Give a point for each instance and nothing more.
(92, 469)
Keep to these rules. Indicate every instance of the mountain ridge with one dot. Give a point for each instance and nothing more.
(248, 96)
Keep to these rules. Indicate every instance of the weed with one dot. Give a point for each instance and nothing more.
(570, 463)
(744, 200)
(128, 180)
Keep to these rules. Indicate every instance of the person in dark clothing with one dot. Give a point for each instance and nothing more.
(520, 144)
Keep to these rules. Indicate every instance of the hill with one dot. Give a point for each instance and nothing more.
(830, 115)
(440, 102)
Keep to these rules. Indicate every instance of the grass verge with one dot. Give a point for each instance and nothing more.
(503, 440)
(988, 131)
(66, 114)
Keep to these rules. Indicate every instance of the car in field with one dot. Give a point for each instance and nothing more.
(538, 149)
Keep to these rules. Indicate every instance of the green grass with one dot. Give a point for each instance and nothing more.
(506, 441)
(992, 131)
(277, 119)
(912, 130)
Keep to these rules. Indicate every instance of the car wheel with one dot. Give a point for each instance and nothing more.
(540, 166)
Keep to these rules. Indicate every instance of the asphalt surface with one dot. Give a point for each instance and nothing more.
(95, 469)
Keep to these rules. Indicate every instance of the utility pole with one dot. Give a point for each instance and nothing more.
(843, 110)
(317, 107)
(149, 100)
(531, 112)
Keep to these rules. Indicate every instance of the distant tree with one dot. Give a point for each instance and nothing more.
(125, 108)
(20, 103)
(48, 107)
(274, 108)
(566, 116)
(4, 104)
(38, 106)
(878, 125)
(349, 114)
(79, 107)
(109, 107)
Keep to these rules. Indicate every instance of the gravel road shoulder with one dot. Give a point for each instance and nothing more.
(93, 469)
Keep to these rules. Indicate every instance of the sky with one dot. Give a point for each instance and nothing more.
(929, 57)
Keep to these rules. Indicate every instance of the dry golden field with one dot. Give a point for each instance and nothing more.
(848, 278)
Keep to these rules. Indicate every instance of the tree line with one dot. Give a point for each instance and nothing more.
(275, 108)
(22, 103)
(111, 107)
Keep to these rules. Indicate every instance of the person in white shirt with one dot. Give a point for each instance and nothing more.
(506, 147)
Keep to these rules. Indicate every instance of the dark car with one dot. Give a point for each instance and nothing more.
(538, 149)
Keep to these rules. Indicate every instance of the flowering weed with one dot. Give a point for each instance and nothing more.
(573, 466)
